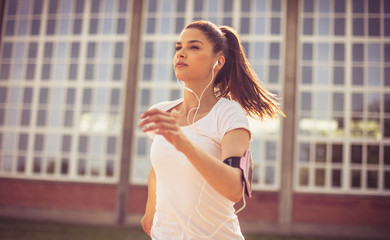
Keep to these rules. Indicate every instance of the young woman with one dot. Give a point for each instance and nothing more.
(191, 192)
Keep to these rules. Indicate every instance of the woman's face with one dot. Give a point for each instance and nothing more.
(194, 58)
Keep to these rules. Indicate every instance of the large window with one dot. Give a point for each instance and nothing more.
(62, 75)
(261, 27)
(343, 143)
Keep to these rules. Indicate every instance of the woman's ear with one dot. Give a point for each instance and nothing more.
(221, 62)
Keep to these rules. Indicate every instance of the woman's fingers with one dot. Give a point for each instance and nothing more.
(156, 119)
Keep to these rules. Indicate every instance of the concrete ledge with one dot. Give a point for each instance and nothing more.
(71, 216)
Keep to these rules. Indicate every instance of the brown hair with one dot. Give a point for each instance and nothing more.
(237, 80)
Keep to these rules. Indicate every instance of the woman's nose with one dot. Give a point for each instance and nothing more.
(180, 54)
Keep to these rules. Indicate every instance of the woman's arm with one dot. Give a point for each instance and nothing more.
(223, 178)
(147, 219)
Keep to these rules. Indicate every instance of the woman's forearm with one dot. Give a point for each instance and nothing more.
(223, 178)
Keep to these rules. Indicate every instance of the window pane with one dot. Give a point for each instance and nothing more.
(337, 153)
(356, 154)
(336, 178)
(303, 176)
(373, 154)
(304, 152)
(356, 179)
(320, 177)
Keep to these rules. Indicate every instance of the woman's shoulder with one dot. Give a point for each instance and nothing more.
(230, 105)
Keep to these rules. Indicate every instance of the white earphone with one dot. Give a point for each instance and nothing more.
(216, 63)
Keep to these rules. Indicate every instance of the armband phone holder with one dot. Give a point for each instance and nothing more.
(245, 163)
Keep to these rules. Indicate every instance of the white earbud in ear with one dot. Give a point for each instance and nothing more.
(216, 63)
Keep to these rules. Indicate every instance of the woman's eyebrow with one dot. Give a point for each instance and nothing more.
(191, 41)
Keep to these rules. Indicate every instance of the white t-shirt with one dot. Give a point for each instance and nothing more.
(179, 185)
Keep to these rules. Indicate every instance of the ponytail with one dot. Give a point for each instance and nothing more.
(237, 80)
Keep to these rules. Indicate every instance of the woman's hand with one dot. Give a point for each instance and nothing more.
(163, 123)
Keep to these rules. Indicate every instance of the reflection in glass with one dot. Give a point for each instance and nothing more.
(336, 177)
(356, 154)
(320, 153)
(307, 51)
(37, 165)
(373, 52)
(386, 154)
(319, 177)
(373, 128)
(165, 25)
(324, 26)
(145, 97)
(338, 102)
(322, 103)
(306, 75)
(54, 118)
(81, 166)
(259, 50)
(357, 102)
(357, 76)
(306, 101)
(270, 151)
(275, 26)
(374, 76)
(373, 102)
(308, 26)
(110, 168)
(50, 165)
(97, 144)
(372, 179)
(244, 25)
(386, 102)
(260, 25)
(308, 6)
(386, 127)
(339, 26)
(111, 145)
(357, 126)
(339, 52)
(337, 153)
(66, 143)
(77, 26)
(95, 167)
(41, 118)
(117, 72)
(83, 144)
(64, 168)
(386, 180)
(323, 77)
(374, 26)
(64, 26)
(303, 176)
(356, 178)
(373, 154)
(150, 25)
(23, 25)
(304, 152)
(25, 121)
(358, 26)
(269, 175)
(21, 164)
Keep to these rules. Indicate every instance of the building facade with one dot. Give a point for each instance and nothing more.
(76, 74)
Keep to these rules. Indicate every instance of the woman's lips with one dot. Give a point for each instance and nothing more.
(181, 64)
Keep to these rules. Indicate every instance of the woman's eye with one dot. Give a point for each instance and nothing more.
(194, 47)
(178, 48)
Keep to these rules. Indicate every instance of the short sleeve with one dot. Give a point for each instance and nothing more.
(231, 116)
